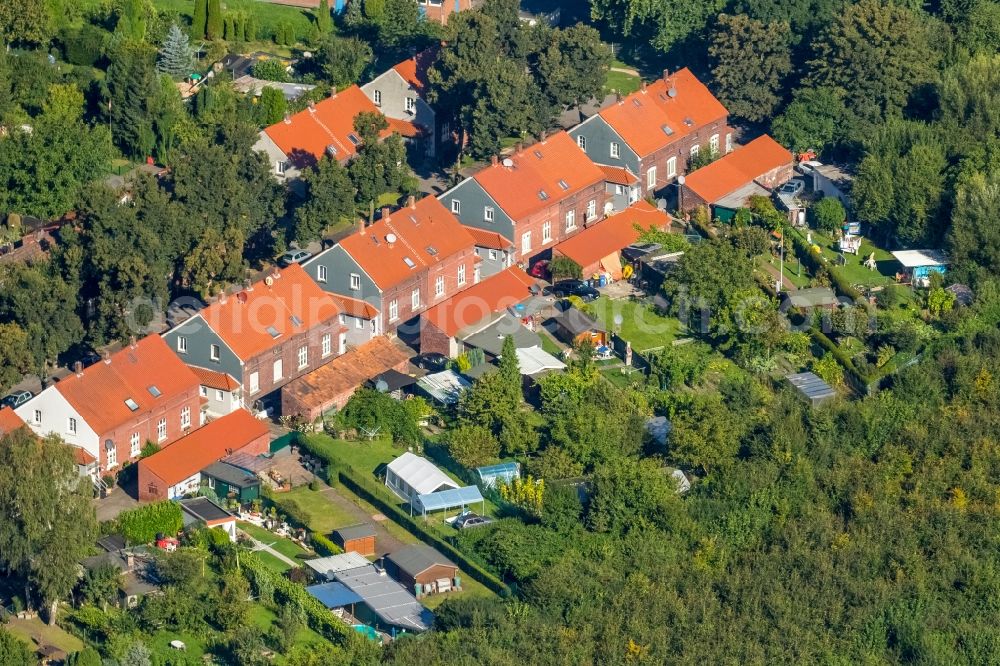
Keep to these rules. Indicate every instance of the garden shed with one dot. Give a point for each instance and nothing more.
(812, 388)
(503, 472)
(230, 481)
(422, 569)
(444, 387)
(919, 264)
(359, 539)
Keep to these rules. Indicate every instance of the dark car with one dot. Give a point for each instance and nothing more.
(16, 399)
(469, 520)
(431, 362)
(579, 288)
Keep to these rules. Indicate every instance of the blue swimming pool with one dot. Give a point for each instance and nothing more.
(367, 631)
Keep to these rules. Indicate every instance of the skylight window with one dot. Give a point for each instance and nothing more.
(331, 150)
(543, 195)
(353, 138)
(563, 184)
(431, 250)
(273, 331)
(154, 391)
(132, 404)
(538, 154)
(409, 262)
(668, 130)
(296, 321)
(636, 101)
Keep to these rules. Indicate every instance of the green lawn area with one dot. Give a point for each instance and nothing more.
(286, 547)
(548, 344)
(35, 628)
(364, 456)
(470, 589)
(640, 324)
(792, 270)
(622, 380)
(854, 271)
(621, 82)
(264, 618)
(159, 644)
(323, 515)
(388, 199)
(272, 562)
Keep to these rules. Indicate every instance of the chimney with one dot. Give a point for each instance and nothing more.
(544, 135)
(333, 92)
(360, 225)
(288, 119)
(78, 369)
(130, 561)
(666, 75)
(131, 342)
(642, 86)
(519, 148)
(248, 285)
(411, 201)
(618, 96)
(312, 105)
(106, 356)
(222, 296)
(385, 212)
(494, 160)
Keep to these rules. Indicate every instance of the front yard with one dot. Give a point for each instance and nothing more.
(640, 324)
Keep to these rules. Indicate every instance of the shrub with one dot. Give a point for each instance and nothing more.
(827, 214)
(324, 546)
(270, 70)
(564, 267)
(141, 525)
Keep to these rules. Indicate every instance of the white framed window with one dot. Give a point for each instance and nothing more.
(342, 342)
(112, 457)
(671, 167)
(415, 299)
(493, 255)
(729, 142)
(616, 150)
(38, 417)
(488, 213)
(355, 281)
(71, 425)
(619, 190)
(592, 209)
(546, 231)
(359, 323)
(161, 430)
(713, 143)
(651, 178)
(211, 483)
(279, 167)
(393, 310)
(320, 273)
(570, 220)
(411, 104)
(134, 449)
(461, 274)
(182, 344)
(204, 391)
(277, 370)
(526, 242)
(377, 97)
(219, 395)
(456, 206)
(214, 352)
(439, 286)
(254, 382)
(343, 319)
(695, 149)
(327, 345)
(303, 357)
(185, 417)
(581, 141)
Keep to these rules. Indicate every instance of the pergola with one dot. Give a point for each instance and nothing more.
(443, 500)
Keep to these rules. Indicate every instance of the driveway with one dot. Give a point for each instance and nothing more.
(385, 542)
(109, 507)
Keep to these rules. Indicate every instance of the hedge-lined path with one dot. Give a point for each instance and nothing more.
(385, 542)
(260, 545)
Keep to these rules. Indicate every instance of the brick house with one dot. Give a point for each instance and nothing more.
(537, 196)
(655, 131)
(727, 183)
(398, 93)
(140, 394)
(438, 11)
(402, 264)
(265, 335)
(324, 128)
(176, 470)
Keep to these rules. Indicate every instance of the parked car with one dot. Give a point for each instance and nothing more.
(90, 358)
(431, 362)
(565, 288)
(540, 269)
(469, 520)
(294, 257)
(16, 399)
(792, 188)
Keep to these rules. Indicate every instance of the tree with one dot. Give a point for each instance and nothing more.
(270, 70)
(137, 655)
(176, 56)
(47, 522)
(342, 60)
(26, 21)
(974, 234)
(812, 120)
(703, 432)
(380, 165)
(329, 200)
(876, 53)
(572, 65)
(102, 585)
(15, 355)
(199, 21)
(324, 24)
(213, 23)
(750, 61)
(14, 651)
(473, 445)
(969, 97)
(86, 657)
(271, 106)
(630, 492)
(563, 267)
(827, 214)
(133, 96)
(247, 646)
(510, 371)
(664, 23)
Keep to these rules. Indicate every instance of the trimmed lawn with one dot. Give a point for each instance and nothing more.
(470, 589)
(364, 456)
(792, 270)
(854, 270)
(548, 344)
(160, 644)
(623, 380)
(323, 515)
(29, 630)
(272, 562)
(621, 82)
(640, 324)
(286, 547)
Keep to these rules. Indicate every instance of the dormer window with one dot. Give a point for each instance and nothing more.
(353, 138)
(132, 404)
(154, 391)
(377, 98)
(331, 150)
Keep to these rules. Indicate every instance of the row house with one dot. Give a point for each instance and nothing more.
(727, 184)
(399, 93)
(110, 409)
(438, 11)
(323, 128)
(267, 334)
(654, 132)
(536, 197)
(402, 264)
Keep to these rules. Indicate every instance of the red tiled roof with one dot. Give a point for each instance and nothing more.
(215, 380)
(538, 174)
(405, 128)
(355, 307)
(9, 421)
(327, 384)
(426, 234)
(204, 446)
(99, 392)
(414, 70)
(497, 292)
(291, 304)
(619, 231)
(641, 117)
(490, 239)
(618, 175)
(82, 457)
(305, 136)
(731, 172)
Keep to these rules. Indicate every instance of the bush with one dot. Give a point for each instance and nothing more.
(293, 511)
(85, 45)
(324, 546)
(270, 70)
(141, 525)
(827, 214)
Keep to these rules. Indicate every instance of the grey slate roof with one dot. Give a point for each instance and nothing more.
(355, 532)
(575, 322)
(491, 338)
(386, 598)
(202, 508)
(231, 474)
(414, 560)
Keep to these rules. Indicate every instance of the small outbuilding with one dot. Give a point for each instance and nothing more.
(410, 476)
(328, 567)
(811, 297)
(574, 327)
(444, 387)
(230, 481)
(359, 539)
(504, 472)
(200, 511)
(423, 570)
(918, 265)
(452, 498)
(812, 388)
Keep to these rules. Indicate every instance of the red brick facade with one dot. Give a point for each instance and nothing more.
(555, 215)
(426, 281)
(288, 351)
(146, 425)
(681, 150)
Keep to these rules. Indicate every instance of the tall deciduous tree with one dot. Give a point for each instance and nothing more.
(812, 120)
(379, 166)
(14, 651)
(975, 235)
(329, 199)
(664, 23)
(473, 445)
(876, 53)
(15, 356)
(343, 59)
(47, 522)
(572, 65)
(26, 21)
(750, 61)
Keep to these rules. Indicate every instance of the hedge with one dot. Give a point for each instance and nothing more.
(293, 511)
(804, 252)
(141, 525)
(858, 381)
(324, 546)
